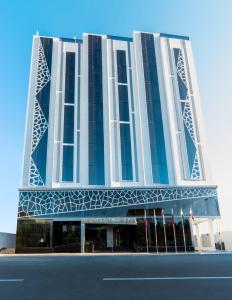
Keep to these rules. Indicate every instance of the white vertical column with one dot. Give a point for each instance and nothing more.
(82, 237)
(84, 118)
(199, 244)
(54, 99)
(106, 113)
(30, 113)
(211, 232)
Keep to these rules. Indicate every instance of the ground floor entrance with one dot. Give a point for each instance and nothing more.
(144, 236)
(130, 234)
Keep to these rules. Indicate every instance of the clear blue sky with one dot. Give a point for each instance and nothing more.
(207, 22)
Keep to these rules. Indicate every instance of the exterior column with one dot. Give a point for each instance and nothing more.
(82, 237)
(191, 230)
(211, 232)
(199, 244)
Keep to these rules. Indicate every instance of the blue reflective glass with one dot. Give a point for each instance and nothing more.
(70, 77)
(67, 174)
(121, 66)
(126, 158)
(154, 113)
(68, 124)
(95, 101)
(123, 103)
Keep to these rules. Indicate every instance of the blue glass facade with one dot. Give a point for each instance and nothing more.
(95, 99)
(68, 124)
(123, 101)
(70, 77)
(154, 113)
(126, 159)
(67, 174)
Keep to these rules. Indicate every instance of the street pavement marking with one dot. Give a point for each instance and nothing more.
(11, 280)
(166, 278)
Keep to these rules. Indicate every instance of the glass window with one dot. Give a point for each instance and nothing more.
(67, 174)
(154, 113)
(123, 103)
(126, 159)
(33, 233)
(68, 124)
(96, 134)
(121, 66)
(70, 77)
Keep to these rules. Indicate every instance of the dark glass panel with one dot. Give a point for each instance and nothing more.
(96, 134)
(33, 234)
(123, 103)
(121, 66)
(68, 124)
(39, 156)
(126, 158)
(67, 174)
(154, 113)
(70, 77)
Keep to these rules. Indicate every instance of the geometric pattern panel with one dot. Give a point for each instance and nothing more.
(43, 74)
(47, 202)
(188, 123)
(40, 123)
(35, 178)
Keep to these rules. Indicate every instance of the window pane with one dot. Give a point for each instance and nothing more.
(70, 77)
(121, 66)
(126, 159)
(67, 174)
(123, 103)
(68, 124)
(96, 134)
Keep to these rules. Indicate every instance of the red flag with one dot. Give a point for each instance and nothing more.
(145, 222)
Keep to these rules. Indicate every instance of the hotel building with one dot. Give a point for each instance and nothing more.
(115, 157)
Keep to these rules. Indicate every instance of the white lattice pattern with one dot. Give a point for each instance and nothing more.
(47, 202)
(43, 75)
(195, 170)
(35, 178)
(181, 69)
(40, 125)
(188, 121)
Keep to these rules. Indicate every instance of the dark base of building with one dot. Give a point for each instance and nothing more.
(46, 236)
(111, 220)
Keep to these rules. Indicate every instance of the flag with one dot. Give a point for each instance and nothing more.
(191, 213)
(173, 220)
(155, 220)
(182, 216)
(163, 217)
(145, 222)
(145, 218)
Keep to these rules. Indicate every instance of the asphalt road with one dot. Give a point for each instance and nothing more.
(116, 277)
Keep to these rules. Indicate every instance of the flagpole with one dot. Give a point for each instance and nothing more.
(156, 240)
(182, 221)
(145, 222)
(164, 225)
(174, 230)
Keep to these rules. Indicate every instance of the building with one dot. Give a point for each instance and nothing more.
(7, 240)
(115, 156)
